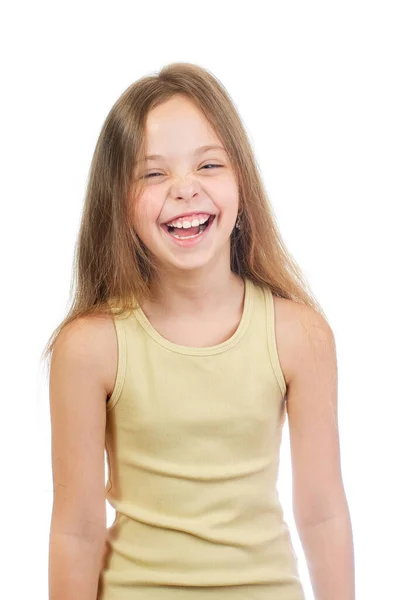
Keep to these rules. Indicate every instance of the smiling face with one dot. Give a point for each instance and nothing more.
(191, 187)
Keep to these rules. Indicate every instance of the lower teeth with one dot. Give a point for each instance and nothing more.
(186, 237)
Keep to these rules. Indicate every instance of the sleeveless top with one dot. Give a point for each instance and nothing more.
(192, 439)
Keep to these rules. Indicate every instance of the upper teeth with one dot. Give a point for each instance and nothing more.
(185, 223)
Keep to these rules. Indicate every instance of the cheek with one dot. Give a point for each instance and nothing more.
(227, 201)
(146, 213)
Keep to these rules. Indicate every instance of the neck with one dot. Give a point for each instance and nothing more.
(197, 290)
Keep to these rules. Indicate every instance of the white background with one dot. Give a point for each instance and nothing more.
(313, 82)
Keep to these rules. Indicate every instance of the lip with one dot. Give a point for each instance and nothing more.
(189, 214)
(186, 243)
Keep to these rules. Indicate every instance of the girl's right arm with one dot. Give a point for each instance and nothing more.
(78, 390)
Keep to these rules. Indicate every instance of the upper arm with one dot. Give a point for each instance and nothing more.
(309, 360)
(78, 390)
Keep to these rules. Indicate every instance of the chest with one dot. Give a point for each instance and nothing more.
(197, 331)
(220, 407)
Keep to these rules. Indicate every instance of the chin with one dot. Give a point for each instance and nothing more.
(192, 259)
(189, 263)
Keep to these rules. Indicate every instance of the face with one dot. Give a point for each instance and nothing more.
(189, 201)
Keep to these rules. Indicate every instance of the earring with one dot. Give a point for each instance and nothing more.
(238, 222)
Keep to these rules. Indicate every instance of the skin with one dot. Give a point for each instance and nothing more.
(193, 282)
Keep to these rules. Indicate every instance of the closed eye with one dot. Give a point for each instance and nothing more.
(211, 165)
(152, 174)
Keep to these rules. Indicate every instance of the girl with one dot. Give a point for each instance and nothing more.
(191, 334)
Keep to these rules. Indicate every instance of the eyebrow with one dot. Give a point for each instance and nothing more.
(199, 150)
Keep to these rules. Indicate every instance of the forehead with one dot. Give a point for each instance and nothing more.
(177, 127)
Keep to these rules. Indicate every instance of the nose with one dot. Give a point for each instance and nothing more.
(184, 189)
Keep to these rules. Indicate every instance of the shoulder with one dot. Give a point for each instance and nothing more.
(90, 342)
(301, 333)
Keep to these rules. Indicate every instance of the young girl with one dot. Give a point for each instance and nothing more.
(192, 333)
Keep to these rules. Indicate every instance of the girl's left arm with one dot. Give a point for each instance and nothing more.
(320, 506)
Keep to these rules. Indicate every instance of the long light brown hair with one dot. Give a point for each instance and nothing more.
(111, 264)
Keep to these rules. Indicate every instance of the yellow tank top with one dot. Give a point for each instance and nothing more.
(193, 438)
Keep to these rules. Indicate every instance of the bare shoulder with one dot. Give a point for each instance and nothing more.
(92, 341)
(298, 329)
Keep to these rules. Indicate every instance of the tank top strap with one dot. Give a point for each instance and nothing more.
(265, 305)
(120, 323)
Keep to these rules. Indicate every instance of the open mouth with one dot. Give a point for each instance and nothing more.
(191, 231)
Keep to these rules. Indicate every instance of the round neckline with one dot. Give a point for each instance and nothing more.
(204, 350)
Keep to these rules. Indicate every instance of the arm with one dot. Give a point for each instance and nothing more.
(74, 566)
(78, 415)
(320, 506)
(328, 547)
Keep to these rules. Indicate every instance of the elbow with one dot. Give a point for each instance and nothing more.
(314, 513)
(93, 531)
